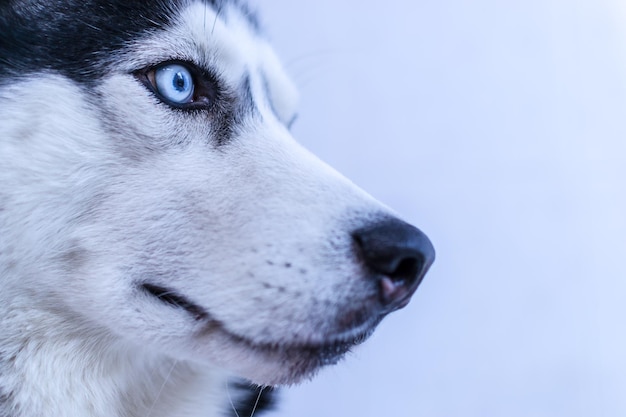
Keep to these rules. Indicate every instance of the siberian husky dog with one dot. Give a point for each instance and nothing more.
(161, 232)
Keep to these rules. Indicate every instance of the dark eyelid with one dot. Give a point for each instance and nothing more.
(205, 85)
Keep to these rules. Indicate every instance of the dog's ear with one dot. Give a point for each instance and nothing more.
(250, 399)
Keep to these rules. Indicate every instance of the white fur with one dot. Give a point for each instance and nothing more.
(96, 197)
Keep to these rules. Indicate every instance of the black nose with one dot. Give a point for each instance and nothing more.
(399, 255)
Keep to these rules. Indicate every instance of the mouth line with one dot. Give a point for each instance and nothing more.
(174, 299)
(324, 352)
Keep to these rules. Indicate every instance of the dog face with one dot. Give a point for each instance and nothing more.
(152, 188)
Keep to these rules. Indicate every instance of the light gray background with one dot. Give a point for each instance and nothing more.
(499, 128)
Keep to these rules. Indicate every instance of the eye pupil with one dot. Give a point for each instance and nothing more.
(179, 82)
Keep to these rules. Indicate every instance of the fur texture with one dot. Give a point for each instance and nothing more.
(150, 249)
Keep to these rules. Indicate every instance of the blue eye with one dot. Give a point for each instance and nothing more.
(175, 83)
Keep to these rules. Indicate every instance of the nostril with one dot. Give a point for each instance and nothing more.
(407, 270)
(398, 254)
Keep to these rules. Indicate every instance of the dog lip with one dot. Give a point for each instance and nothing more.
(324, 352)
(332, 346)
(308, 354)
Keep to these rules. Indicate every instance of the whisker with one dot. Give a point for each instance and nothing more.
(167, 378)
(257, 401)
(219, 10)
(231, 400)
(204, 21)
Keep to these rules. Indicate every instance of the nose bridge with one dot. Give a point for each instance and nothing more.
(296, 173)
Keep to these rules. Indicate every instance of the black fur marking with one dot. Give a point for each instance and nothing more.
(73, 38)
(234, 108)
(77, 38)
(255, 399)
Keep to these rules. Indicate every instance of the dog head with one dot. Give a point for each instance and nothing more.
(152, 188)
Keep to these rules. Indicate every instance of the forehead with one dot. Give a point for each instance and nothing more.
(224, 39)
(86, 39)
(75, 37)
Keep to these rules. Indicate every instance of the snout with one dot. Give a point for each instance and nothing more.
(397, 256)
